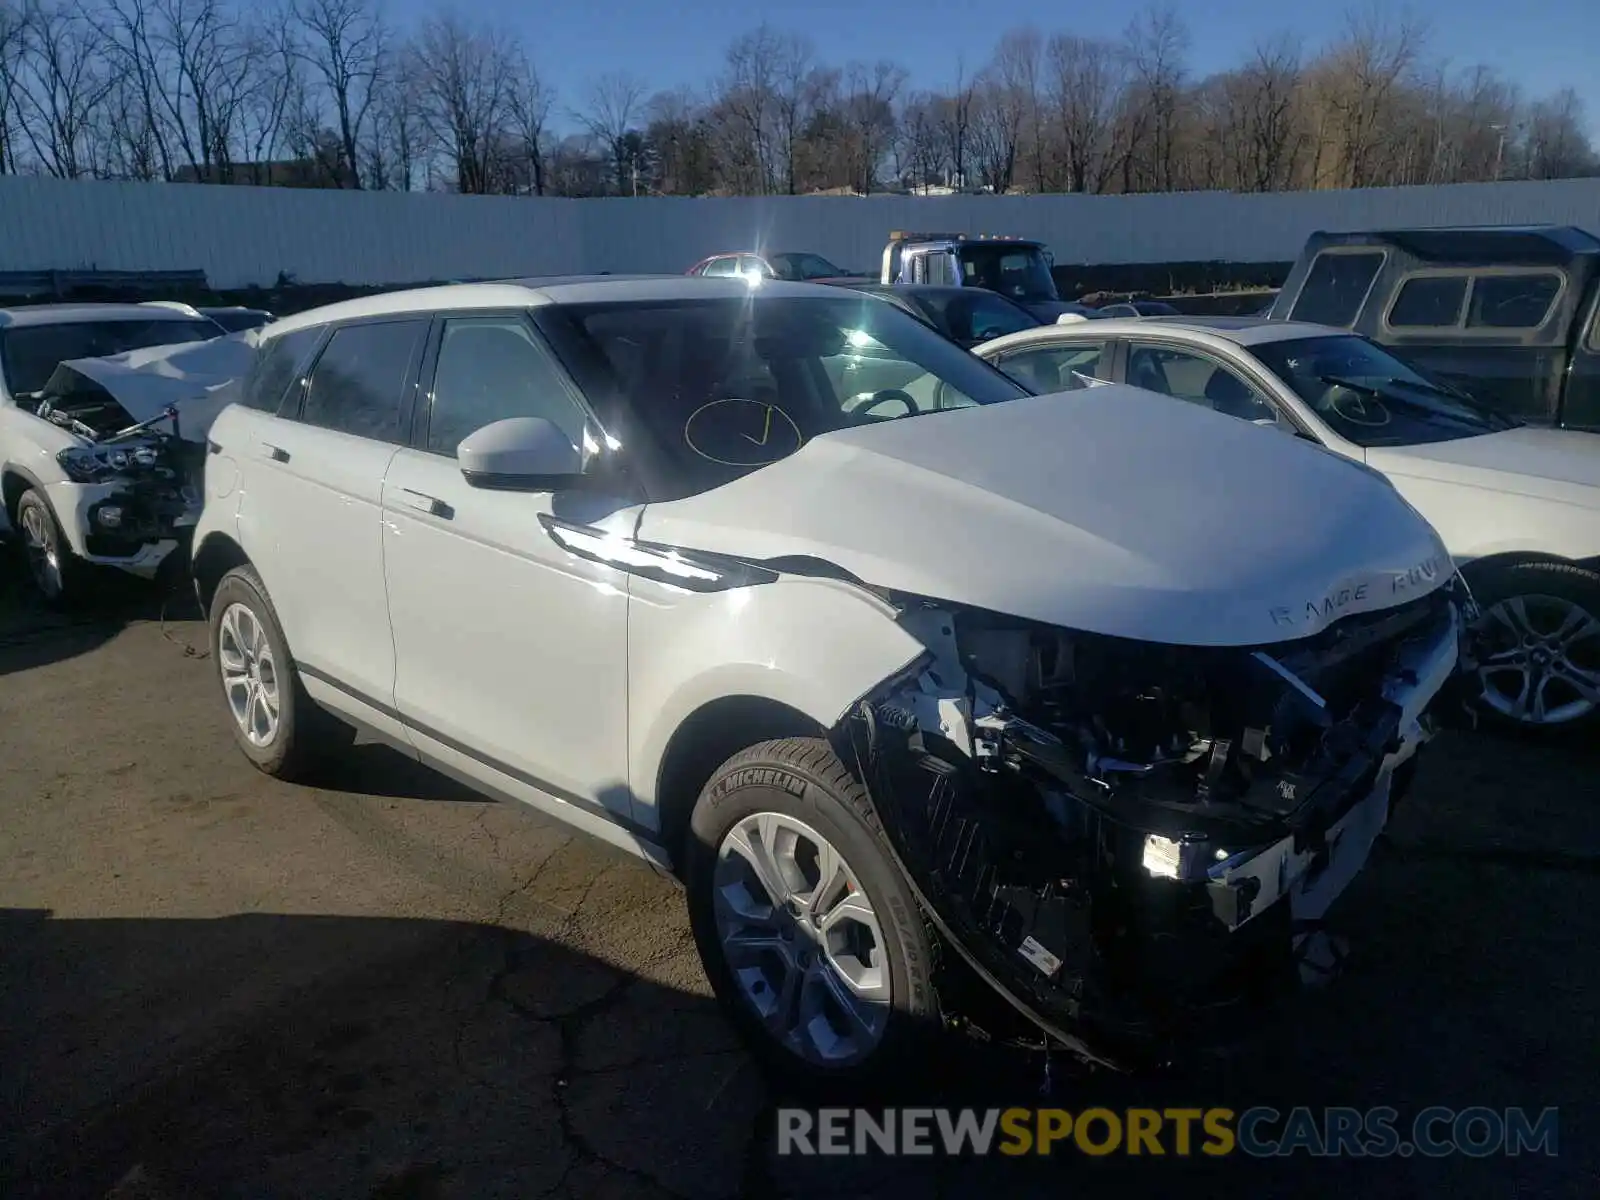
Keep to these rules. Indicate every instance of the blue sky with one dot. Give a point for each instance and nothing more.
(1540, 44)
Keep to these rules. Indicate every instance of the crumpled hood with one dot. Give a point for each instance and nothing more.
(1109, 510)
(198, 377)
(1552, 464)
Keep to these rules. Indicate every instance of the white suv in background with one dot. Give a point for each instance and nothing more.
(1109, 706)
(82, 486)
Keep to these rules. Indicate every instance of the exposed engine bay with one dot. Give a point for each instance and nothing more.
(1130, 841)
(156, 472)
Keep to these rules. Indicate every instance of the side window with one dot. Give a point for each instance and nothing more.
(981, 315)
(490, 368)
(1336, 287)
(1512, 301)
(274, 368)
(355, 386)
(721, 268)
(749, 264)
(1429, 302)
(1197, 379)
(1044, 369)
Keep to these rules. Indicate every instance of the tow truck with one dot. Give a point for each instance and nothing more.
(1017, 268)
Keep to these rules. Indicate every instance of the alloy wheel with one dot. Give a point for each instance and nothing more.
(249, 674)
(44, 557)
(1539, 663)
(801, 940)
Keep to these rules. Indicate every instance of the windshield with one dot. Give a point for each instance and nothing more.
(800, 267)
(1017, 271)
(1372, 398)
(731, 385)
(972, 315)
(31, 353)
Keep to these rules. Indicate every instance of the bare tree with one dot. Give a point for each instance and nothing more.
(615, 104)
(1557, 147)
(346, 46)
(137, 123)
(955, 124)
(63, 82)
(277, 90)
(13, 51)
(997, 131)
(1360, 84)
(464, 76)
(1155, 44)
(922, 148)
(1085, 88)
(868, 113)
(1262, 125)
(530, 103)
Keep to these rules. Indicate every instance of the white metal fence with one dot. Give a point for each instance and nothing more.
(240, 236)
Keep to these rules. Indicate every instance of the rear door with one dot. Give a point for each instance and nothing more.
(309, 515)
(1058, 366)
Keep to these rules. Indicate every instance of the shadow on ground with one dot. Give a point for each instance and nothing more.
(266, 1056)
(34, 635)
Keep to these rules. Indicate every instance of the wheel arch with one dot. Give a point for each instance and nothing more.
(214, 557)
(13, 482)
(708, 737)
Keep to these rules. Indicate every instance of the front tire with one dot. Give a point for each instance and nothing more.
(275, 723)
(1537, 646)
(811, 937)
(57, 573)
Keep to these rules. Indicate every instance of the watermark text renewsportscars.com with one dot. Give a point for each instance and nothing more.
(1259, 1132)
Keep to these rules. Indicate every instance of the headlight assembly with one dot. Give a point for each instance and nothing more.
(97, 464)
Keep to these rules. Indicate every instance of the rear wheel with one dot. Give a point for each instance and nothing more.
(811, 937)
(1537, 646)
(280, 729)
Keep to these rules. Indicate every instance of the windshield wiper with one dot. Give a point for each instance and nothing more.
(1473, 414)
(1466, 398)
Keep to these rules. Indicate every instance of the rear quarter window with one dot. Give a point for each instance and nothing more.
(1336, 287)
(276, 364)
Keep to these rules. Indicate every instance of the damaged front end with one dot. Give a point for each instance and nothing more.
(1134, 843)
(142, 480)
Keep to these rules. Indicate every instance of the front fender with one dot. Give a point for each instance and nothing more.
(814, 645)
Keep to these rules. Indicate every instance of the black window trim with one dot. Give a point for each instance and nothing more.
(297, 376)
(1460, 330)
(422, 395)
(295, 396)
(1102, 367)
(1382, 254)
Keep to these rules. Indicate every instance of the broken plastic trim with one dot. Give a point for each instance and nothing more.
(962, 784)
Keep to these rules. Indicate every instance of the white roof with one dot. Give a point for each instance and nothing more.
(535, 292)
(79, 314)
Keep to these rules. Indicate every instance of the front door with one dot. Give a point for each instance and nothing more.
(510, 650)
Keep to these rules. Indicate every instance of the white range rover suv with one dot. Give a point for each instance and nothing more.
(1095, 703)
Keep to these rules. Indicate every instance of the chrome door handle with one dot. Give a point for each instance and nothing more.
(431, 505)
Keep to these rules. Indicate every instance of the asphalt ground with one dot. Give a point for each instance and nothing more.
(216, 985)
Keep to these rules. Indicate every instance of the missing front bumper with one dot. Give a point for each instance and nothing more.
(1130, 941)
